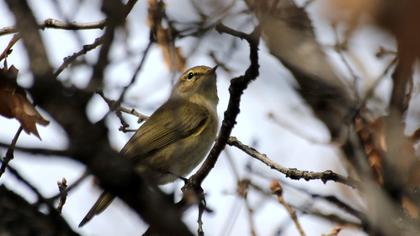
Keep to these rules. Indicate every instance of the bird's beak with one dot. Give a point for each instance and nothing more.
(213, 70)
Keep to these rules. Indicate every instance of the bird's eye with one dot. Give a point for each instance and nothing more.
(190, 76)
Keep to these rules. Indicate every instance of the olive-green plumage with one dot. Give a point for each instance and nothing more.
(177, 136)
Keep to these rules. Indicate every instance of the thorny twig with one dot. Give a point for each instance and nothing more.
(293, 173)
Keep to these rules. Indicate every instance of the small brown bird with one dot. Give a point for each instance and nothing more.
(176, 137)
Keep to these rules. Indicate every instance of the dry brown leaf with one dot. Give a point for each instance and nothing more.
(172, 55)
(14, 103)
(371, 136)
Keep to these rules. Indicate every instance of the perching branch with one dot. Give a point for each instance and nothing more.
(236, 89)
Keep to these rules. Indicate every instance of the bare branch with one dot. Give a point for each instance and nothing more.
(293, 173)
(40, 198)
(9, 46)
(136, 72)
(340, 47)
(118, 109)
(70, 59)
(40, 151)
(58, 24)
(236, 89)
(70, 187)
(19, 217)
(10, 152)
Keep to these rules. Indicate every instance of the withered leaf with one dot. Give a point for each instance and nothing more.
(14, 102)
(172, 55)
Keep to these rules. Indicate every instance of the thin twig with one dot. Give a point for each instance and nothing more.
(70, 187)
(117, 13)
(40, 151)
(9, 46)
(339, 48)
(233, 215)
(250, 212)
(293, 173)
(41, 198)
(85, 49)
(331, 199)
(242, 189)
(328, 198)
(10, 152)
(136, 72)
(58, 24)
(118, 109)
(333, 218)
(277, 190)
(370, 91)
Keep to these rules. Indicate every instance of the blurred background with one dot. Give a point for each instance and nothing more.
(355, 41)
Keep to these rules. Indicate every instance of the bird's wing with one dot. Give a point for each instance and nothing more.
(166, 126)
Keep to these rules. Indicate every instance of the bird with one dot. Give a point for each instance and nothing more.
(176, 137)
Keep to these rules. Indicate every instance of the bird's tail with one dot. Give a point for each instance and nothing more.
(100, 205)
